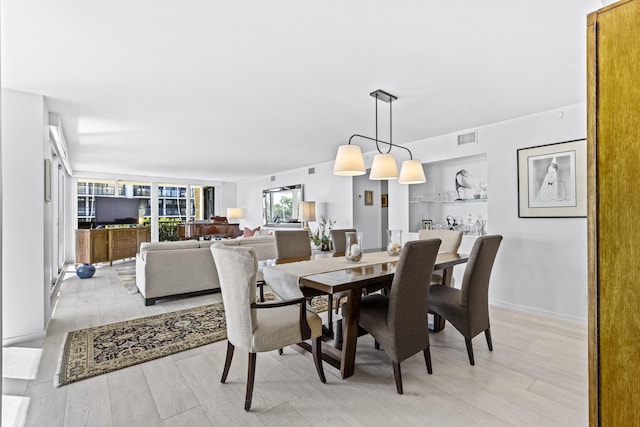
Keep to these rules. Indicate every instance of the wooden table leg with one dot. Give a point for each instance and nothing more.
(350, 338)
(438, 321)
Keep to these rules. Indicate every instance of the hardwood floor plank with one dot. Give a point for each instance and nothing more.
(131, 401)
(170, 391)
(88, 403)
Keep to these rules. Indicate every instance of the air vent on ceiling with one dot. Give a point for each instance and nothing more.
(312, 171)
(468, 138)
(273, 178)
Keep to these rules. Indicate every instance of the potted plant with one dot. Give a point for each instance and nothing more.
(322, 237)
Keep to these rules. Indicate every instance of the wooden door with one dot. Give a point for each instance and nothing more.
(613, 99)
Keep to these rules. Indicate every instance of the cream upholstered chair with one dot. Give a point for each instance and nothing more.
(258, 327)
(467, 309)
(339, 239)
(451, 240)
(398, 322)
(296, 244)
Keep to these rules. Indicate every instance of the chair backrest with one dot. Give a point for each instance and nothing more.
(474, 295)
(292, 243)
(409, 296)
(339, 240)
(237, 267)
(451, 239)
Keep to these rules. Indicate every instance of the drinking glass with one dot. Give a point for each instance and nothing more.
(353, 247)
(394, 242)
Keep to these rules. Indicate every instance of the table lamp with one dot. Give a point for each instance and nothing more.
(235, 213)
(308, 210)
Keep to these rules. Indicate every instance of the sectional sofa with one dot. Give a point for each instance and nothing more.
(170, 269)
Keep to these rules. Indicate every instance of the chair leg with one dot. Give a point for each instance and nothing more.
(227, 362)
(487, 335)
(330, 313)
(316, 349)
(470, 351)
(261, 290)
(427, 359)
(398, 375)
(280, 352)
(251, 376)
(376, 345)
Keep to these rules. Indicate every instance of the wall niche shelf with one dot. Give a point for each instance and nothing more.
(451, 201)
(434, 200)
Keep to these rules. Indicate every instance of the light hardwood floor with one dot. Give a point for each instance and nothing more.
(536, 375)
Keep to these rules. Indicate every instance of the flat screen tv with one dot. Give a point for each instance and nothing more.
(116, 210)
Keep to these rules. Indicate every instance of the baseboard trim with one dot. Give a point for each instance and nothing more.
(532, 310)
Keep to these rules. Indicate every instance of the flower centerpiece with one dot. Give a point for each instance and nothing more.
(321, 238)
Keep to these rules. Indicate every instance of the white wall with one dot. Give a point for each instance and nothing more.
(542, 263)
(25, 289)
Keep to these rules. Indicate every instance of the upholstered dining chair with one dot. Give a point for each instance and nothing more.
(398, 322)
(467, 309)
(451, 240)
(339, 240)
(296, 244)
(259, 327)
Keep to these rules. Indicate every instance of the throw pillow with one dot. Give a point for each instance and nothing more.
(249, 232)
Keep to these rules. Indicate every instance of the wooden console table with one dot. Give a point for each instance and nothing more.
(109, 244)
(193, 230)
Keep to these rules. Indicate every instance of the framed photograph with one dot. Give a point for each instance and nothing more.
(552, 180)
(427, 224)
(368, 198)
(383, 200)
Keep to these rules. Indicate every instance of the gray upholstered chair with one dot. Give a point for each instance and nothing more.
(467, 309)
(292, 243)
(398, 322)
(451, 240)
(339, 240)
(258, 327)
(296, 244)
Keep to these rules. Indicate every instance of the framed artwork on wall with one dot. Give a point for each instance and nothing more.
(383, 200)
(368, 198)
(552, 180)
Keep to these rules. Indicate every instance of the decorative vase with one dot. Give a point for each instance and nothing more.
(394, 242)
(85, 271)
(353, 246)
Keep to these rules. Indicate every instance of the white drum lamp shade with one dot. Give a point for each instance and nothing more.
(349, 161)
(384, 167)
(412, 172)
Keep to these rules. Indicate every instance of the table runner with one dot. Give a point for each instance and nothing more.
(284, 279)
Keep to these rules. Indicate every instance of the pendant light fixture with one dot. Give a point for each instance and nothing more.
(349, 160)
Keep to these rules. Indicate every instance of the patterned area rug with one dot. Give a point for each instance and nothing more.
(95, 351)
(127, 275)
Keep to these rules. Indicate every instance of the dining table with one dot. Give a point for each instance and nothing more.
(331, 274)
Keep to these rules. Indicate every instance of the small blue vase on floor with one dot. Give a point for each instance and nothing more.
(85, 271)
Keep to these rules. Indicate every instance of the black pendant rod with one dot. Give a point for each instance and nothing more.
(384, 142)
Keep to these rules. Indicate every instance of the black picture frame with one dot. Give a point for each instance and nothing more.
(552, 180)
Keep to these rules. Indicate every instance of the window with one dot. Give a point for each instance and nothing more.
(281, 204)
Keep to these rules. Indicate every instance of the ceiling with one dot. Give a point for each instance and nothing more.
(230, 90)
